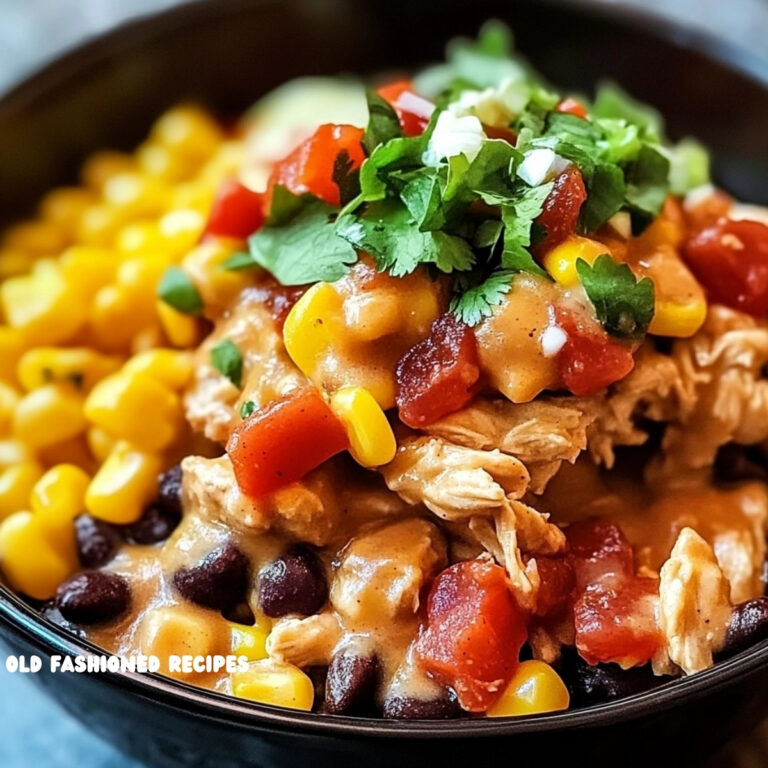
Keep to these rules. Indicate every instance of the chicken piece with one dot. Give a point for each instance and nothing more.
(695, 605)
(304, 642)
(384, 572)
(452, 481)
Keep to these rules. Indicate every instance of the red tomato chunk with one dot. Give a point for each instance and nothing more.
(572, 107)
(437, 376)
(474, 632)
(237, 211)
(283, 442)
(557, 581)
(560, 213)
(731, 260)
(314, 165)
(412, 110)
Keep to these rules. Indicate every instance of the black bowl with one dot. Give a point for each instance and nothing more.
(227, 53)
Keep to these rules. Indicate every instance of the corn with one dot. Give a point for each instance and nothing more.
(14, 263)
(100, 167)
(147, 339)
(16, 483)
(48, 415)
(171, 368)
(136, 408)
(39, 238)
(187, 131)
(217, 286)
(75, 451)
(371, 440)
(312, 326)
(158, 160)
(139, 237)
(135, 195)
(139, 277)
(43, 305)
(197, 195)
(534, 688)
(124, 484)
(9, 397)
(680, 320)
(57, 498)
(12, 346)
(99, 225)
(181, 330)
(28, 561)
(279, 685)
(113, 322)
(65, 206)
(228, 161)
(88, 268)
(80, 367)
(251, 642)
(14, 452)
(100, 443)
(181, 230)
(560, 262)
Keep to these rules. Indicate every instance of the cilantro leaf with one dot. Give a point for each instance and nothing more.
(606, 192)
(238, 261)
(247, 409)
(422, 195)
(178, 291)
(383, 122)
(624, 305)
(227, 359)
(346, 179)
(304, 248)
(648, 182)
(688, 166)
(613, 102)
(388, 231)
(518, 215)
(477, 301)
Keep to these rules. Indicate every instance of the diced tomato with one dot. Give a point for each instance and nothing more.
(557, 581)
(560, 213)
(474, 632)
(277, 297)
(494, 132)
(281, 443)
(437, 376)
(599, 552)
(236, 212)
(590, 359)
(708, 211)
(316, 165)
(572, 107)
(413, 110)
(619, 625)
(731, 260)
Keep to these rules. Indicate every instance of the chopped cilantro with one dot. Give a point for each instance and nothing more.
(178, 291)
(247, 408)
(624, 305)
(477, 301)
(383, 122)
(238, 261)
(227, 359)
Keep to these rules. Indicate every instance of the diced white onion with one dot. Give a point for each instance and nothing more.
(541, 165)
(552, 340)
(454, 136)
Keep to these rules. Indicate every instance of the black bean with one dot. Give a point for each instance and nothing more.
(97, 541)
(218, 581)
(239, 614)
(155, 525)
(53, 614)
(93, 597)
(591, 684)
(350, 687)
(169, 491)
(749, 625)
(409, 708)
(294, 583)
(739, 464)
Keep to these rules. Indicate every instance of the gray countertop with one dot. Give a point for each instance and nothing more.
(33, 731)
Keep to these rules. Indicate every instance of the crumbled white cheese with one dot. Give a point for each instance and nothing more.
(496, 107)
(552, 340)
(454, 136)
(621, 224)
(541, 165)
(749, 212)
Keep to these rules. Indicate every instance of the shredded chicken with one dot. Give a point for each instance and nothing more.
(304, 642)
(695, 605)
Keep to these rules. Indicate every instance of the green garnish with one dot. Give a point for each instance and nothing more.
(247, 408)
(477, 301)
(383, 122)
(178, 291)
(227, 359)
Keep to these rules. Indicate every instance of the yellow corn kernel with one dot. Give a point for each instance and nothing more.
(279, 685)
(79, 366)
(371, 440)
(680, 320)
(89, 268)
(535, 688)
(100, 167)
(28, 561)
(135, 195)
(39, 238)
(251, 642)
(124, 484)
(181, 230)
(157, 160)
(12, 345)
(146, 339)
(182, 330)
(65, 206)
(99, 225)
(228, 162)
(139, 237)
(113, 322)
(197, 195)
(312, 325)
(16, 483)
(9, 397)
(189, 131)
(100, 443)
(137, 408)
(58, 497)
(14, 263)
(139, 276)
(560, 262)
(49, 415)
(43, 304)
(217, 286)
(171, 368)
(14, 452)
(75, 451)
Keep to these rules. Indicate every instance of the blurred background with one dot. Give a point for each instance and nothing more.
(32, 730)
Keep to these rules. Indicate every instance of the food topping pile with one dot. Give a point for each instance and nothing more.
(444, 397)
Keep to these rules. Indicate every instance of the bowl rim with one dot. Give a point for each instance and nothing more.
(20, 620)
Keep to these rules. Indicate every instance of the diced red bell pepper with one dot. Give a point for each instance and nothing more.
(474, 632)
(560, 213)
(315, 165)
(413, 110)
(599, 552)
(590, 359)
(556, 583)
(236, 212)
(281, 443)
(730, 259)
(437, 376)
(571, 106)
